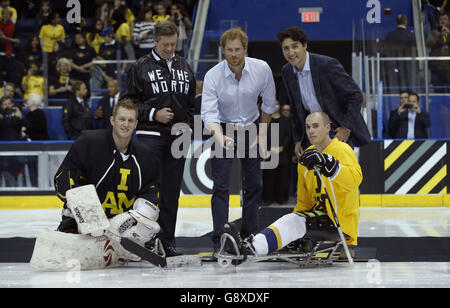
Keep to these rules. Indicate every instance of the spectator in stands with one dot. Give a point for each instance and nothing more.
(37, 121)
(81, 59)
(121, 6)
(27, 8)
(439, 43)
(45, 10)
(400, 43)
(74, 28)
(52, 31)
(12, 124)
(111, 49)
(161, 12)
(106, 104)
(4, 5)
(6, 45)
(293, 161)
(143, 32)
(60, 86)
(123, 33)
(103, 12)
(77, 114)
(403, 102)
(401, 35)
(31, 52)
(93, 37)
(276, 181)
(183, 23)
(409, 121)
(59, 51)
(9, 89)
(11, 120)
(33, 82)
(286, 110)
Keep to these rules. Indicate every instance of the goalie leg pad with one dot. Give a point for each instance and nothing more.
(87, 210)
(58, 251)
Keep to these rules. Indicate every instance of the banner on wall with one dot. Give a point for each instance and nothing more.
(402, 167)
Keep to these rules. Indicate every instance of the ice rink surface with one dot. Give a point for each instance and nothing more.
(374, 222)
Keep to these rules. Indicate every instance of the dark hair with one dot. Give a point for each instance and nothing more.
(445, 14)
(119, 17)
(294, 33)
(51, 16)
(5, 98)
(414, 94)
(144, 10)
(91, 34)
(76, 85)
(404, 91)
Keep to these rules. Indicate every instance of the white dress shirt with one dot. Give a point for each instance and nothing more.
(227, 100)
(113, 100)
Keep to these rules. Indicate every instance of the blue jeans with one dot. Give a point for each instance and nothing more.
(252, 192)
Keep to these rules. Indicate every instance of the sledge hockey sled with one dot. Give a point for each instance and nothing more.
(315, 249)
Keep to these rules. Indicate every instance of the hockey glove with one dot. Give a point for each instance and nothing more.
(327, 164)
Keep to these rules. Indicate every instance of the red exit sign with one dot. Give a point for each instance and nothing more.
(310, 17)
(310, 14)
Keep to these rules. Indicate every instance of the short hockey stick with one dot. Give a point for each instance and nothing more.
(338, 226)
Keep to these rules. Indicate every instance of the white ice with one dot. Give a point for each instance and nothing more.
(374, 222)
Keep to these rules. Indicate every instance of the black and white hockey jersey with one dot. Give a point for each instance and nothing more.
(152, 85)
(119, 179)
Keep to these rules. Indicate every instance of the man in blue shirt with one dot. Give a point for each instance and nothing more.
(231, 90)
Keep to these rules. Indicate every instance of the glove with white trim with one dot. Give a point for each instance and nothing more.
(314, 159)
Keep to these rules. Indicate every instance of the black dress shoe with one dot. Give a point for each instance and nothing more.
(171, 251)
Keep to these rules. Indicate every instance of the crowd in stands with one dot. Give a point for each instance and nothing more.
(401, 42)
(36, 41)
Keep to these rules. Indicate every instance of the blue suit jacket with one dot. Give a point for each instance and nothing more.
(337, 93)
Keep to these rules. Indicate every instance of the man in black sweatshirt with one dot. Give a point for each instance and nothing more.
(162, 85)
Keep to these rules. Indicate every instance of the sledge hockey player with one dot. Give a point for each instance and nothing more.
(108, 184)
(336, 163)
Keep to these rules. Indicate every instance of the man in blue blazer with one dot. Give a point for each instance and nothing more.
(319, 83)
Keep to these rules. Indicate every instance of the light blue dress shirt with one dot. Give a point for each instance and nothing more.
(227, 100)
(411, 124)
(305, 82)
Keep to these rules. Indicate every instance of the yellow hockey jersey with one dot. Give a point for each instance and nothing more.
(342, 189)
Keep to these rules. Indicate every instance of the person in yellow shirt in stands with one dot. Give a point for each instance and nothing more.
(161, 12)
(93, 38)
(33, 82)
(4, 5)
(51, 32)
(341, 174)
(123, 33)
(120, 5)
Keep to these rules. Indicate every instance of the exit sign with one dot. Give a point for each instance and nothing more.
(310, 14)
(310, 17)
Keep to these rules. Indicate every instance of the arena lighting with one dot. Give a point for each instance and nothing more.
(310, 14)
